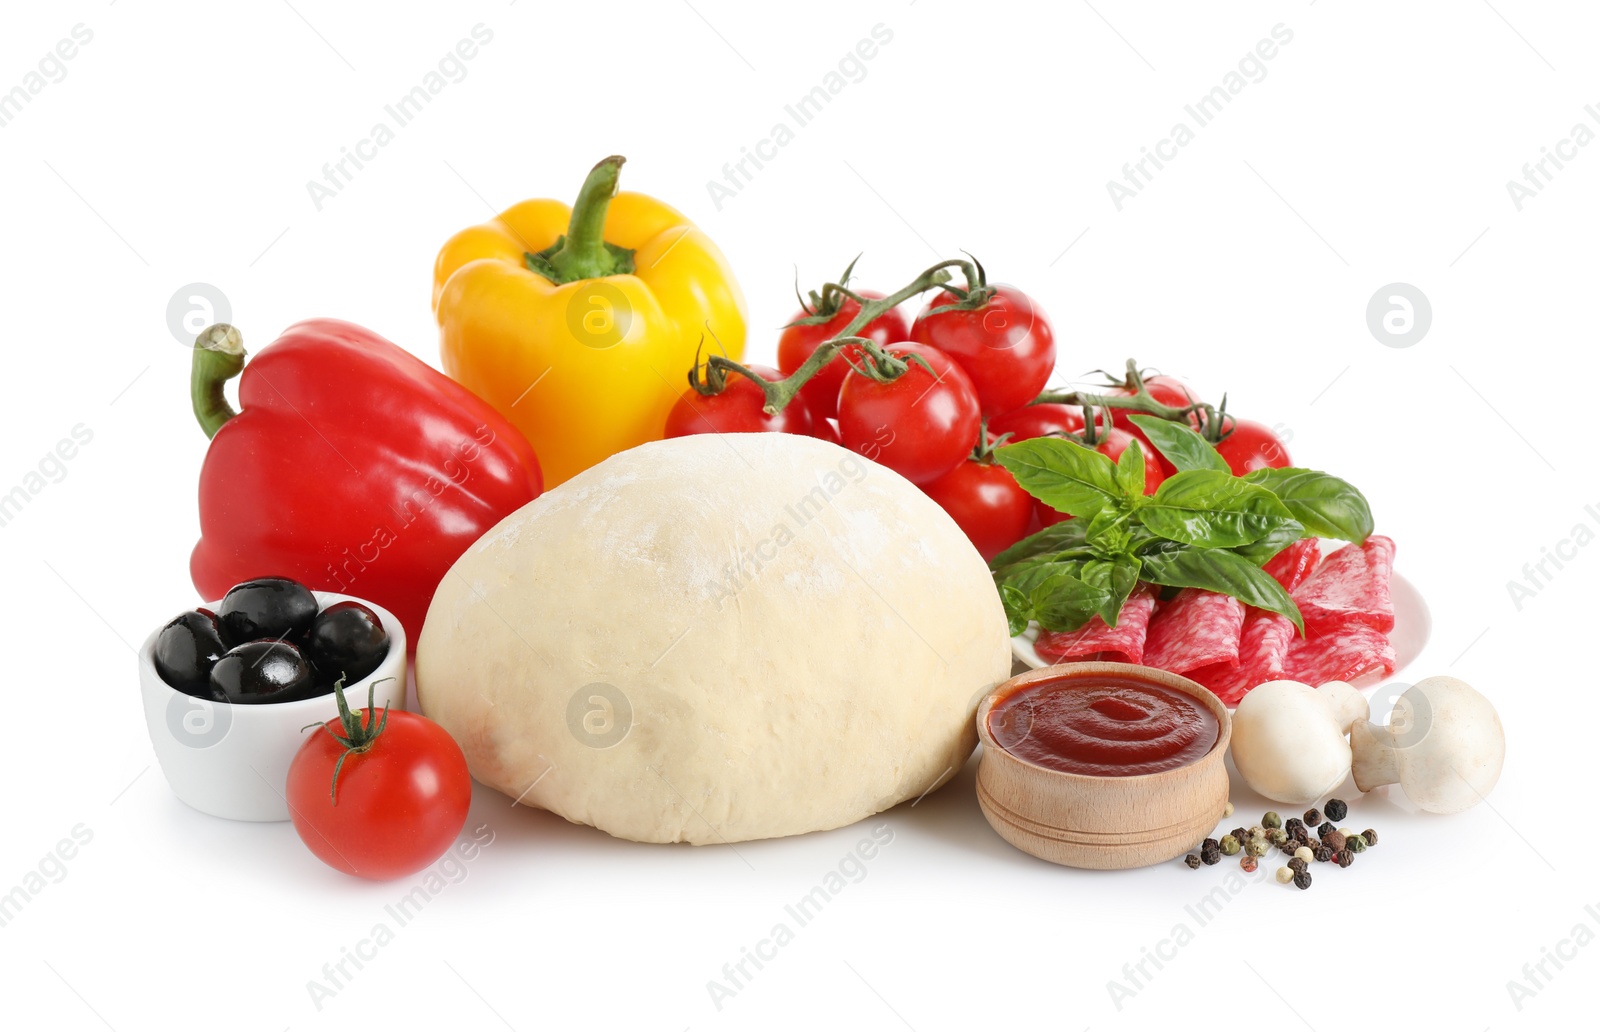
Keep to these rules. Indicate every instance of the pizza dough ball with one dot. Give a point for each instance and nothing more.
(717, 638)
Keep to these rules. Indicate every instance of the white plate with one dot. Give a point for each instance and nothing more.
(1412, 626)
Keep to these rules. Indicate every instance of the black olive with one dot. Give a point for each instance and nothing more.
(346, 640)
(269, 607)
(186, 650)
(260, 672)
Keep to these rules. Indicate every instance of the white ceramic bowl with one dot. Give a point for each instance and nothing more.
(232, 761)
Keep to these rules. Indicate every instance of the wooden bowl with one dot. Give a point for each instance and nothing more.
(1096, 822)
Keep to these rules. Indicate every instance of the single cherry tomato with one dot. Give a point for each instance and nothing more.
(800, 338)
(1005, 345)
(1112, 444)
(1031, 421)
(986, 502)
(398, 800)
(1251, 446)
(737, 410)
(921, 425)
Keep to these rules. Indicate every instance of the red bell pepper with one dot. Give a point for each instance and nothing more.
(352, 466)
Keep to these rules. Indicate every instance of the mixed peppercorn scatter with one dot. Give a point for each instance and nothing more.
(1293, 836)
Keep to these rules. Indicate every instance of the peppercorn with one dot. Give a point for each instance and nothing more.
(1229, 845)
(1347, 832)
(1335, 809)
(1334, 841)
(1285, 876)
(1302, 835)
(1210, 854)
(1370, 837)
(1302, 880)
(1257, 831)
(1270, 819)
(1344, 858)
(1227, 810)
(1256, 847)
(1210, 843)
(1277, 836)
(1322, 854)
(1305, 853)
(1325, 828)
(1297, 865)
(1248, 863)
(1292, 824)
(1355, 843)
(1313, 817)
(1240, 834)
(1193, 861)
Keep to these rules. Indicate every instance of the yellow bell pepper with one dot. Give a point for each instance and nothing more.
(580, 325)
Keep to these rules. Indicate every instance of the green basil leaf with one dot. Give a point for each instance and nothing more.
(1062, 474)
(1271, 544)
(1325, 505)
(1109, 532)
(1213, 509)
(1030, 573)
(1217, 569)
(1065, 602)
(1181, 446)
(1118, 577)
(1018, 609)
(1130, 472)
(1055, 538)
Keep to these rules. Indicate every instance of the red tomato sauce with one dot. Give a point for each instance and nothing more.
(1104, 726)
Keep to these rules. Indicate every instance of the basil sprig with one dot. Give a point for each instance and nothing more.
(1202, 528)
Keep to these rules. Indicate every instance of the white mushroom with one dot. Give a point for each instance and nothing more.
(1289, 738)
(1443, 744)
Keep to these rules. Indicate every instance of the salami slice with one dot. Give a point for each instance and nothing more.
(1265, 638)
(1339, 654)
(1123, 643)
(1292, 566)
(1195, 629)
(1351, 587)
(1264, 644)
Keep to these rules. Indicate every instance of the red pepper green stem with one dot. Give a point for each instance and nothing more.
(780, 392)
(582, 253)
(218, 358)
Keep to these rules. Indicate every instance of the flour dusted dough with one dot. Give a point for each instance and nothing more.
(786, 637)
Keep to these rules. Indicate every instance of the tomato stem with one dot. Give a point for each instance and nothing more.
(880, 363)
(357, 737)
(1209, 417)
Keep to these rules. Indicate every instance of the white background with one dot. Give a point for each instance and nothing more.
(1376, 149)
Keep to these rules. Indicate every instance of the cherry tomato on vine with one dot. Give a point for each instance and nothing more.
(737, 410)
(800, 339)
(1168, 390)
(1113, 443)
(1252, 446)
(986, 502)
(398, 800)
(921, 425)
(1005, 345)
